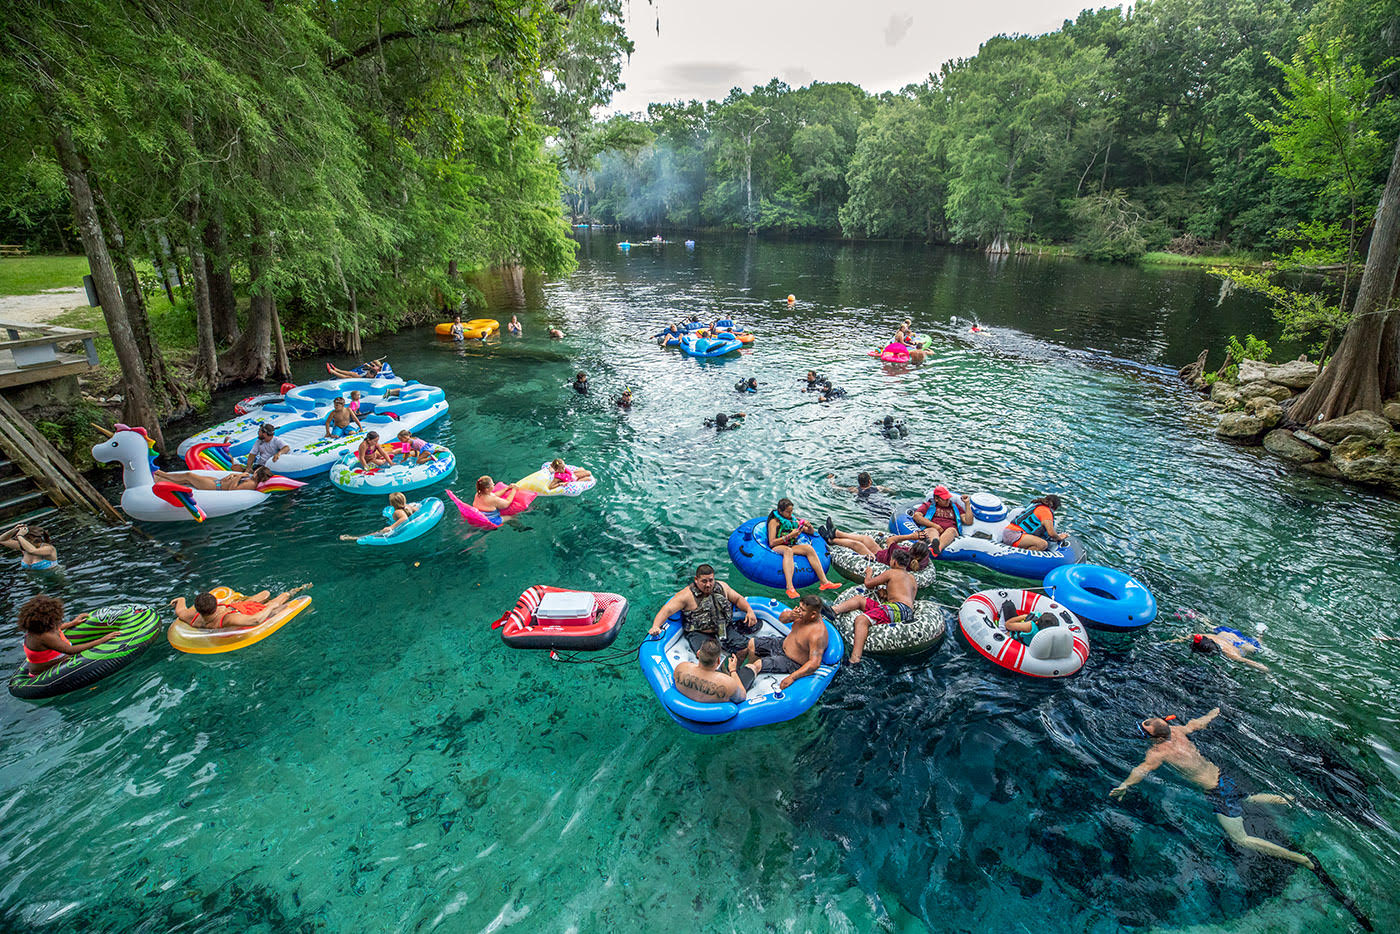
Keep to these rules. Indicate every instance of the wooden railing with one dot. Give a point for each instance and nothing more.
(13, 249)
(34, 354)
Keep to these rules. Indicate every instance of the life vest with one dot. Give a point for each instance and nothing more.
(1031, 520)
(711, 613)
(784, 525)
(950, 512)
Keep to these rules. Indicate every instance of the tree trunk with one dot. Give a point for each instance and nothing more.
(1365, 371)
(137, 408)
(206, 360)
(250, 357)
(223, 306)
(284, 366)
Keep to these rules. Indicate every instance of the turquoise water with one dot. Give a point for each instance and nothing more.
(385, 763)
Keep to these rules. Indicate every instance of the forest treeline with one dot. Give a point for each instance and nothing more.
(308, 167)
(1116, 134)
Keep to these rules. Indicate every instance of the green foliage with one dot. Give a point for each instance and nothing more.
(1110, 227)
(1251, 348)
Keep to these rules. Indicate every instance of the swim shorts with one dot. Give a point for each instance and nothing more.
(1011, 535)
(494, 516)
(775, 662)
(736, 637)
(340, 431)
(1226, 798)
(887, 614)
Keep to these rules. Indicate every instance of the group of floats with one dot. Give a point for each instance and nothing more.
(698, 339)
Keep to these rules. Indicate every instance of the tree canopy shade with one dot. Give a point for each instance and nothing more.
(334, 162)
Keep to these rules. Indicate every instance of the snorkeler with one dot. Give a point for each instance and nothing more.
(1226, 642)
(722, 422)
(580, 383)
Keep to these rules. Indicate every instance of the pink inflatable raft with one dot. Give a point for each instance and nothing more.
(894, 352)
(476, 517)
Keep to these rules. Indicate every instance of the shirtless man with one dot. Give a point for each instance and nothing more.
(799, 653)
(208, 613)
(705, 605)
(702, 680)
(230, 482)
(1171, 746)
(896, 608)
(339, 419)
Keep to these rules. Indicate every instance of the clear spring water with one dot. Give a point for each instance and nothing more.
(385, 763)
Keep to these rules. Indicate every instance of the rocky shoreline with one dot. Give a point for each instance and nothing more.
(1362, 447)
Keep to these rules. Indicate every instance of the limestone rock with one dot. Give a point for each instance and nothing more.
(1372, 461)
(1251, 371)
(1265, 408)
(1365, 423)
(1264, 388)
(1224, 395)
(1391, 411)
(1283, 443)
(1308, 437)
(1323, 469)
(1295, 374)
(1242, 427)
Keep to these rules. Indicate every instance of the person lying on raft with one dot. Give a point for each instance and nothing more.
(514, 326)
(266, 449)
(703, 681)
(370, 370)
(373, 455)
(705, 607)
(339, 418)
(225, 484)
(36, 552)
(937, 518)
(1225, 643)
(1034, 526)
(1170, 746)
(563, 473)
(799, 653)
(208, 613)
(402, 510)
(674, 332)
(414, 450)
(45, 645)
(487, 502)
(784, 533)
(897, 606)
(722, 422)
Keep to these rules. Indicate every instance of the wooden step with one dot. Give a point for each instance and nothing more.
(8, 468)
(24, 502)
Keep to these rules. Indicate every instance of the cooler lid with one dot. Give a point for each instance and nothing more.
(566, 605)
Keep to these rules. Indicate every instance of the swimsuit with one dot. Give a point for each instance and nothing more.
(43, 564)
(494, 516)
(37, 657)
(775, 660)
(1226, 798)
(340, 431)
(891, 613)
(246, 607)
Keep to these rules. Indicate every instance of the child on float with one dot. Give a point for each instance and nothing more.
(45, 645)
(563, 474)
(36, 551)
(402, 510)
(413, 449)
(339, 419)
(371, 454)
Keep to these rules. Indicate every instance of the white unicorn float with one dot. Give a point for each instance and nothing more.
(161, 501)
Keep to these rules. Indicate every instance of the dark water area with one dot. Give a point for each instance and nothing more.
(385, 763)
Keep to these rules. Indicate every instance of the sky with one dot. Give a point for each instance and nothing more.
(706, 47)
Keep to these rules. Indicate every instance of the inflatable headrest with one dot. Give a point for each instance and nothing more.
(1052, 643)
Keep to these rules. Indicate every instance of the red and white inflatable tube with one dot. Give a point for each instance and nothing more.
(521, 629)
(1053, 652)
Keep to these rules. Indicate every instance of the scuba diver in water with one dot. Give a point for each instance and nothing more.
(747, 385)
(580, 383)
(722, 422)
(892, 429)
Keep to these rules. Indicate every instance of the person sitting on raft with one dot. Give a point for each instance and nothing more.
(624, 401)
(487, 502)
(266, 449)
(673, 332)
(580, 383)
(896, 607)
(784, 533)
(705, 605)
(45, 645)
(456, 332)
(225, 484)
(370, 370)
(414, 449)
(1226, 643)
(402, 509)
(722, 422)
(747, 385)
(373, 455)
(937, 518)
(36, 552)
(799, 653)
(703, 681)
(1034, 526)
(208, 613)
(1024, 626)
(339, 418)
(563, 473)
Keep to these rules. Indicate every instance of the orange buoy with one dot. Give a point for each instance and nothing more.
(792, 299)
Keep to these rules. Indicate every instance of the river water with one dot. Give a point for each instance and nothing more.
(385, 763)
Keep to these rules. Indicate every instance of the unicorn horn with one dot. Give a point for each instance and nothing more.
(101, 429)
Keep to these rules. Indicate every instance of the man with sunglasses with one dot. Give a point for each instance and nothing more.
(266, 449)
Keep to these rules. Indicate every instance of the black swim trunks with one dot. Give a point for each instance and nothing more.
(736, 637)
(775, 662)
(1226, 798)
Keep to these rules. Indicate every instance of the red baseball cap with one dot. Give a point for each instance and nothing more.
(941, 491)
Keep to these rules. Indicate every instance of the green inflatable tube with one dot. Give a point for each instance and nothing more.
(136, 627)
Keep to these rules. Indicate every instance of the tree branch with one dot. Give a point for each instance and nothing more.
(379, 41)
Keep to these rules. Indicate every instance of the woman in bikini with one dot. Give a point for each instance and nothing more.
(45, 645)
(36, 552)
(226, 484)
(208, 613)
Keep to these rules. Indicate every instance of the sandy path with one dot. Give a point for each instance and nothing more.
(41, 308)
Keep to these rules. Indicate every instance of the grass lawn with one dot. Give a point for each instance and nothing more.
(1160, 258)
(173, 325)
(29, 275)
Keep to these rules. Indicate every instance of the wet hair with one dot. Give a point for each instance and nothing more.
(721, 420)
(557, 464)
(372, 436)
(1158, 730)
(483, 484)
(708, 653)
(262, 474)
(581, 377)
(863, 478)
(398, 500)
(1204, 645)
(41, 613)
(783, 503)
(811, 601)
(704, 570)
(1050, 500)
(35, 534)
(206, 603)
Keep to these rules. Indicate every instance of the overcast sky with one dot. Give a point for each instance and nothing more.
(706, 47)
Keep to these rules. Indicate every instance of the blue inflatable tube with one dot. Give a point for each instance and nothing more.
(429, 514)
(710, 346)
(981, 542)
(748, 549)
(659, 655)
(1102, 597)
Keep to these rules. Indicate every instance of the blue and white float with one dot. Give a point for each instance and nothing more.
(660, 654)
(981, 540)
(716, 346)
(429, 513)
(748, 549)
(399, 477)
(1102, 597)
